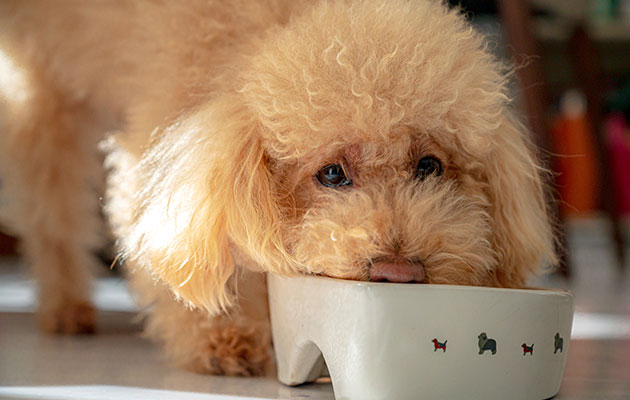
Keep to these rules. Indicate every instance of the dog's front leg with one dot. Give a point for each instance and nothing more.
(237, 343)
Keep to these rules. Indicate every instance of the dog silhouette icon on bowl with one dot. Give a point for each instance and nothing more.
(486, 344)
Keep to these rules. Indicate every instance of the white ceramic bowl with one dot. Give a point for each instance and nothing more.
(377, 339)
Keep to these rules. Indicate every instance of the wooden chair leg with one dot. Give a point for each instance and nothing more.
(590, 77)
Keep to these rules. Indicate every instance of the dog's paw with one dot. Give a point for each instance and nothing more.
(69, 317)
(233, 350)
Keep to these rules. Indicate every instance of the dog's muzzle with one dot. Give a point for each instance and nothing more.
(397, 271)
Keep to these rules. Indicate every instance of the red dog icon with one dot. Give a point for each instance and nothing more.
(437, 345)
(528, 349)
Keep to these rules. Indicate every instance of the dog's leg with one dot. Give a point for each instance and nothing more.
(236, 344)
(46, 169)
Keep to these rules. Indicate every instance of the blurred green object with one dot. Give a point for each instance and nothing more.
(619, 100)
(603, 10)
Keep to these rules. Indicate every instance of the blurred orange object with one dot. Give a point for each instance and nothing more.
(575, 158)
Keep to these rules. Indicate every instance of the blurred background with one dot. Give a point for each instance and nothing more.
(572, 83)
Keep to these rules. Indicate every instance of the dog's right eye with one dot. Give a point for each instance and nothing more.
(333, 176)
(428, 166)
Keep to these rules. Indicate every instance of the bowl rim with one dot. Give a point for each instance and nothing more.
(429, 286)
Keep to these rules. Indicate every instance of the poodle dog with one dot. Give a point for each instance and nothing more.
(358, 139)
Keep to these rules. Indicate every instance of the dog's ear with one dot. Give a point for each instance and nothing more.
(204, 187)
(523, 233)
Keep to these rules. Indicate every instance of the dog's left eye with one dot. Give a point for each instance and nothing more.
(333, 176)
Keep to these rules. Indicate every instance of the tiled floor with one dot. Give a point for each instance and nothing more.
(118, 363)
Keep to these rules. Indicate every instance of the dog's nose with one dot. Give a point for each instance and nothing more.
(397, 272)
